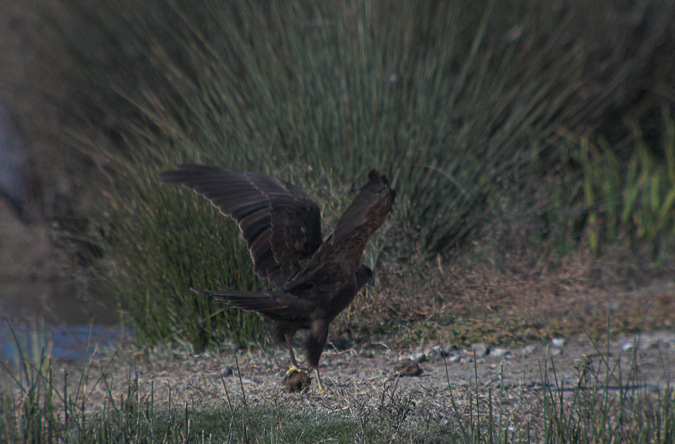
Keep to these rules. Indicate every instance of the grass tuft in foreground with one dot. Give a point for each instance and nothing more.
(609, 403)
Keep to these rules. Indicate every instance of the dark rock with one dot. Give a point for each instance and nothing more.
(408, 368)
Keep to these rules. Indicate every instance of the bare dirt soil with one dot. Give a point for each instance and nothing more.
(361, 380)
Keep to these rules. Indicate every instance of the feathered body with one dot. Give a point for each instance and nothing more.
(281, 225)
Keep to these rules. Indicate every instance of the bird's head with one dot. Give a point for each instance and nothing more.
(364, 275)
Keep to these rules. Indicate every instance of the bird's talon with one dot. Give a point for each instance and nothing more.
(294, 369)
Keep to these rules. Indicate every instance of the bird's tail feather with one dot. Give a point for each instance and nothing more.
(275, 304)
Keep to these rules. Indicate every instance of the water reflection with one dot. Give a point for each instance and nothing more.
(71, 342)
(57, 318)
(37, 311)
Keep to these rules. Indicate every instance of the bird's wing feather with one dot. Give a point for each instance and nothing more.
(279, 222)
(366, 213)
(340, 255)
(277, 305)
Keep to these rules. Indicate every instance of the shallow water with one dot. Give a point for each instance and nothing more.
(71, 342)
(69, 322)
(56, 317)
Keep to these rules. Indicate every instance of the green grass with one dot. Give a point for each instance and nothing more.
(634, 199)
(478, 113)
(609, 403)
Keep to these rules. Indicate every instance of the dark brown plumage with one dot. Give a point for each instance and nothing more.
(281, 225)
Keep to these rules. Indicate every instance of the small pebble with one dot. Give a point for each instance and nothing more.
(226, 371)
(133, 375)
(528, 350)
(499, 352)
(455, 358)
(555, 351)
(480, 349)
(558, 342)
(418, 357)
(628, 345)
(437, 350)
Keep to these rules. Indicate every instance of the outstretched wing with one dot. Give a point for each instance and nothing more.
(340, 254)
(365, 214)
(280, 223)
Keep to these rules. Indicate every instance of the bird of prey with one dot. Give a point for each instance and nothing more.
(314, 279)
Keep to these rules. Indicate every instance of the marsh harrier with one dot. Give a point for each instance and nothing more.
(314, 279)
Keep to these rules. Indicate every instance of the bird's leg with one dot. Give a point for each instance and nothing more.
(294, 363)
(316, 341)
(318, 380)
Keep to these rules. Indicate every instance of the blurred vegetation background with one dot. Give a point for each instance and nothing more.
(531, 124)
